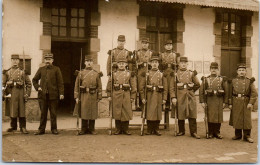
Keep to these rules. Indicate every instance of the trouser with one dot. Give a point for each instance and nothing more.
(246, 132)
(87, 125)
(22, 122)
(214, 128)
(122, 125)
(192, 125)
(153, 125)
(52, 106)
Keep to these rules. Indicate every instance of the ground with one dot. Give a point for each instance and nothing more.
(67, 147)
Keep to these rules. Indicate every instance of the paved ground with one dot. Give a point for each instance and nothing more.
(66, 147)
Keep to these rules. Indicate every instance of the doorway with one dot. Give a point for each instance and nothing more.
(67, 58)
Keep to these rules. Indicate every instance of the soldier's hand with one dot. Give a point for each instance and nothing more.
(224, 105)
(203, 105)
(26, 98)
(174, 101)
(77, 100)
(109, 99)
(164, 101)
(249, 106)
(39, 89)
(132, 100)
(143, 101)
(230, 106)
(61, 97)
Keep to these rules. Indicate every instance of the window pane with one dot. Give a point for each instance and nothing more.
(54, 20)
(81, 22)
(74, 32)
(54, 11)
(233, 18)
(62, 21)
(81, 13)
(62, 31)
(74, 22)
(81, 32)
(153, 21)
(63, 12)
(74, 12)
(233, 26)
(226, 17)
(225, 26)
(54, 31)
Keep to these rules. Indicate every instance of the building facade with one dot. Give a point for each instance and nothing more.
(204, 31)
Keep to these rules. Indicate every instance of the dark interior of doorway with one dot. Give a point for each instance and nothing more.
(67, 58)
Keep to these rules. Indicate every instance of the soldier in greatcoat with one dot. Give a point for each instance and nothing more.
(168, 64)
(118, 53)
(187, 84)
(156, 95)
(123, 94)
(50, 91)
(243, 96)
(91, 93)
(16, 88)
(213, 93)
(142, 65)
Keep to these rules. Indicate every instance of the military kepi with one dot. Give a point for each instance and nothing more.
(14, 56)
(48, 55)
(145, 40)
(183, 59)
(88, 58)
(154, 57)
(168, 42)
(214, 65)
(121, 38)
(241, 65)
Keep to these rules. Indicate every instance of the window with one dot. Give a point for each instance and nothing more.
(231, 30)
(68, 22)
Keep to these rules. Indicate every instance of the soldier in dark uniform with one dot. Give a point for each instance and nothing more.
(168, 65)
(243, 96)
(124, 94)
(142, 60)
(214, 92)
(156, 91)
(17, 87)
(187, 84)
(119, 52)
(91, 93)
(50, 90)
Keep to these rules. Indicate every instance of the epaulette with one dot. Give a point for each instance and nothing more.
(100, 74)
(6, 70)
(252, 79)
(195, 72)
(224, 78)
(76, 72)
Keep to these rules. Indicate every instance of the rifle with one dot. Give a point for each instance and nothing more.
(144, 110)
(111, 102)
(206, 106)
(24, 87)
(176, 107)
(79, 94)
(136, 64)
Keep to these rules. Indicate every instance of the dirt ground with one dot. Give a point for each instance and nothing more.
(67, 147)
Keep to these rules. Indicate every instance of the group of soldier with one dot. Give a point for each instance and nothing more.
(154, 81)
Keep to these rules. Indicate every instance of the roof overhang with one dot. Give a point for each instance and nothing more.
(251, 5)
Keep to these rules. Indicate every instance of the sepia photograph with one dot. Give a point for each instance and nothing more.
(130, 81)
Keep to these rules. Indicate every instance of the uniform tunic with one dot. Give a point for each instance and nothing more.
(169, 61)
(215, 102)
(15, 106)
(186, 100)
(121, 99)
(89, 78)
(118, 53)
(142, 58)
(154, 98)
(240, 117)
